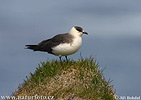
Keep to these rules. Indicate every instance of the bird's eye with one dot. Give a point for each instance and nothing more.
(79, 29)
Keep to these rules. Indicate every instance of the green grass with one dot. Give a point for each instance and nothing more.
(80, 79)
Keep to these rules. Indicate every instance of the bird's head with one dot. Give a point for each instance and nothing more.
(77, 31)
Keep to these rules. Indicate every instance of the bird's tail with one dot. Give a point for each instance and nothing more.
(32, 47)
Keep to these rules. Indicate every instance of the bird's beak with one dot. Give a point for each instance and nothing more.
(85, 33)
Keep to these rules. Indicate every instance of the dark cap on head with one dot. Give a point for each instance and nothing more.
(78, 28)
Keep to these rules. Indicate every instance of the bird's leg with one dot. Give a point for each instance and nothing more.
(66, 58)
(60, 59)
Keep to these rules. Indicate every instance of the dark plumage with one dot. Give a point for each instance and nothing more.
(78, 28)
(46, 45)
(61, 44)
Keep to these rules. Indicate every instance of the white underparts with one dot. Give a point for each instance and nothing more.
(65, 49)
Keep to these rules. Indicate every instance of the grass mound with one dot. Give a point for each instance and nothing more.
(75, 80)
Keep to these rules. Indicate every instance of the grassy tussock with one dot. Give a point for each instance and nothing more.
(75, 80)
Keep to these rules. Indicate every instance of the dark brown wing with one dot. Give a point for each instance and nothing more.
(47, 45)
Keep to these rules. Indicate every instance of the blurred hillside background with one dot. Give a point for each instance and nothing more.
(114, 38)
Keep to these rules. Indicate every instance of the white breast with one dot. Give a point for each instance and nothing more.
(67, 48)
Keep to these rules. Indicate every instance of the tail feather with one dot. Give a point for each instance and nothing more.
(32, 47)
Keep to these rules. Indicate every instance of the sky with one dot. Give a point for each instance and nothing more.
(114, 38)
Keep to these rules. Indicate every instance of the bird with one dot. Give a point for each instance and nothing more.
(62, 44)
